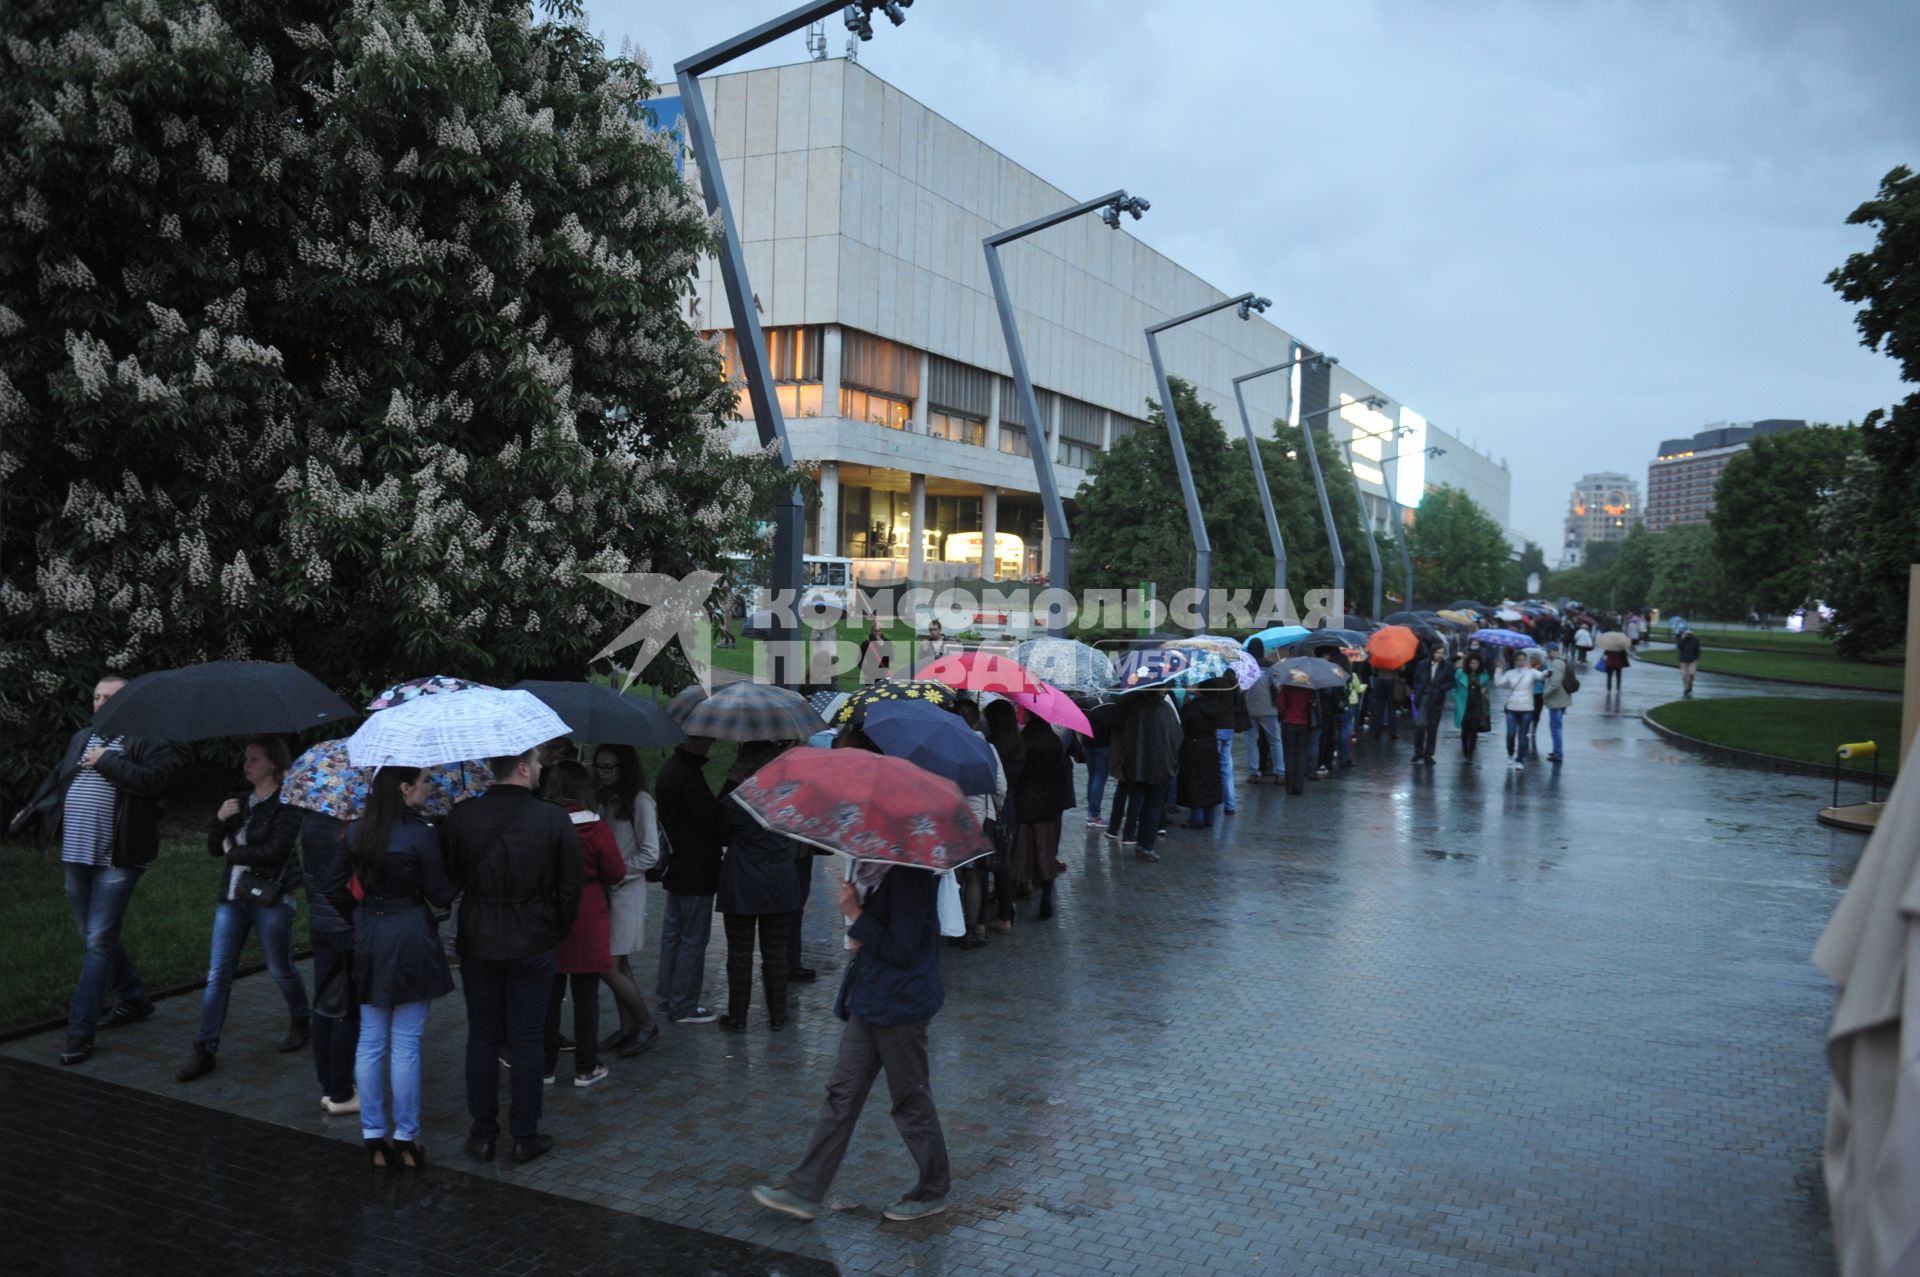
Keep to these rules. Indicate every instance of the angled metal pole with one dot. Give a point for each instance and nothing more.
(1260, 470)
(1320, 490)
(1196, 523)
(1373, 543)
(750, 346)
(1059, 536)
(1393, 513)
(1399, 523)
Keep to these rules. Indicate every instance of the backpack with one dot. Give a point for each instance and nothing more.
(1569, 681)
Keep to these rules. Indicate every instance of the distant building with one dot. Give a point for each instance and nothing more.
(1680, 479)
(1603, 507)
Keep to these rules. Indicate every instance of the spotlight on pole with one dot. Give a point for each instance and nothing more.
(859, 21)
(1252, 304)
(1123, 203)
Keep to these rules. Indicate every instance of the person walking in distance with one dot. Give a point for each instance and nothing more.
(1432, 688)
(888, 998)
(1688, 650)
(1472, 686)
(101, 804)
(1583, 642)
(516, 862)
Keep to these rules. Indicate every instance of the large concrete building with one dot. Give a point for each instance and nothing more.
(1680, 479)
(1602, 507)
(861, 215)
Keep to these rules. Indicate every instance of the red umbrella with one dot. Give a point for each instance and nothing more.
(980, 672)
(1050, 703)
(865, 805)
(1392, 646)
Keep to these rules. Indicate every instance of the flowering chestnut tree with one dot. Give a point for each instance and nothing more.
(345, 332)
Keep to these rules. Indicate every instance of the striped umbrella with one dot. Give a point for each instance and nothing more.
(753, 711)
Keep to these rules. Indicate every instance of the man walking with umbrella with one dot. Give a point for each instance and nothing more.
(100, 802)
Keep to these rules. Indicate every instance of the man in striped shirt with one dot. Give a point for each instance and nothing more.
(101, 802)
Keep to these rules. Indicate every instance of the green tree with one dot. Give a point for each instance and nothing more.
(1532, 562)
(1458, 549)
(1865, 572)
(1297, 506)
(1131, 525)
(345, 332)
(1630, 574)
(1689, 578)
(1766, 507)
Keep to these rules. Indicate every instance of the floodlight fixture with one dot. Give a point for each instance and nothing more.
(1123, 203)
(860, 21)
(1251, 304)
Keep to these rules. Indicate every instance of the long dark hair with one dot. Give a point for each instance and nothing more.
(1003, 732)
(567, 781)
(629, 782)
(1473, 665)
(374, 830)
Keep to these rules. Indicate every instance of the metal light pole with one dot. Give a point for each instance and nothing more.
(1196, 525)
(1059, 536)
(1260, 471)
(1320, 483)
(749, 341)
(1376, 403)
(1400, 525)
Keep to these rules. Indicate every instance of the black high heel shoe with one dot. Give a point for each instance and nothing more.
(379, 1155)
(409, 1156)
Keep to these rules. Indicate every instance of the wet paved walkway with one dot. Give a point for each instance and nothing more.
(1438, 1020)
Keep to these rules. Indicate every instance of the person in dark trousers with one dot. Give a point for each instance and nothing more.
(101, 805)
(798, 971)
(584, 958)
(1150, 738)
(1296, 701)
(399, 965)
(1201, 785)
(1037, 796)
(516, 862)
(758, 892)
(254, 834)
(690, 871)
(888, 997)
(1472, 685)
(1688, 650)
(330, 916)
(1002, 730)
(1432, 687)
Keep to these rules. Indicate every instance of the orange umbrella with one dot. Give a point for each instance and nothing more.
(1392, 646)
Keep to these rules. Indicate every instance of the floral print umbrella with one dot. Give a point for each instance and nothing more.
(929, 690)
(867, 806)
(414, 688)
(323, 780)
(1168, 667)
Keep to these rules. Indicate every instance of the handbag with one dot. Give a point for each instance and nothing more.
(953, 917)
(250, 888)
(1569, 681)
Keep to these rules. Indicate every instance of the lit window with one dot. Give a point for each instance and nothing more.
(946, 425)
(864, 405)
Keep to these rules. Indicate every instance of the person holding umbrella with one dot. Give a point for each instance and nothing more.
(758, 892)
(890, 994)
(1044, 772)
(253, 834)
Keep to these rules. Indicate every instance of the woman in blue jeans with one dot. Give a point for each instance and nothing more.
(253, 834)
(399, 966)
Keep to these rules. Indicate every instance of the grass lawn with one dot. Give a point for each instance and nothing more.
(1739, 636)
(168, 928)
(1797, 727)
(1790, 667)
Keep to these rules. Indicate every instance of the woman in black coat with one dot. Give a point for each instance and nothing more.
(1209, 708)
(759, 889)
(1036, 797)
(399, 965)
(253, 834)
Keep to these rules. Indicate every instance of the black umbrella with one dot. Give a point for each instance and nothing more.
(221, 698)
(1311, 672)
(1358, 624)
(1329, 637)
(597, 713)
(1469, 605)
(1425, 630)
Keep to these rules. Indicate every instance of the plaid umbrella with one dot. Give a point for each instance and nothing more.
(977, 672)
(1072, 667)
(932, 691)
(323, 780)
(414, 688)
(867, 806)
(683, 702)
(753, 711)
(430, 730)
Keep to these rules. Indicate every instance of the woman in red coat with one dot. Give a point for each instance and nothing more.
(582, 957)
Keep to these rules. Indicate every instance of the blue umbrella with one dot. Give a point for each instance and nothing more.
(934, 740)
(1503, 638)
(1275, 636)
(1168, 667)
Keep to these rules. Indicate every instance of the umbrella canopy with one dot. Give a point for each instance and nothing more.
(978, 672)
(1509, 614)
(1168, 667)
(1504, 638)
(1246, 670)
(323, 779)
(1311, 671)
(827, 704)
(1358, 624)
(430, 730)
(1469, 605)
(1276, 636)
(431, 685)
(1392, 646)
(220, 698)
(1331, 637)
(604, 716)
(1611, 641)
(931, 691)
(753, 711)
(1070, 666)
(1425, 627)
(865, 805)
(933, 739)
(683, 703)
(1052, 705)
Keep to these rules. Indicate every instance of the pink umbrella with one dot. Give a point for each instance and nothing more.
(979, 672)
(1050, 703)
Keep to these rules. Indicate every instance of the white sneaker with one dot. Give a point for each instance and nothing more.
(599, 1074)
(350, 1105)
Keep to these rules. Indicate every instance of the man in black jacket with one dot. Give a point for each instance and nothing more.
(516, 861)
(101, 803)
(690, 818)
(1688, 650)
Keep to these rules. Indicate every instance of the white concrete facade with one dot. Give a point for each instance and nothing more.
(862, 212)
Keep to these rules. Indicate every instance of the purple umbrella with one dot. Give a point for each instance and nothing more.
(1503, 638)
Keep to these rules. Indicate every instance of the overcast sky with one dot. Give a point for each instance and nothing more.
(1562, 230)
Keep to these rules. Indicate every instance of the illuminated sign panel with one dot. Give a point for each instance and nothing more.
(1410, 471)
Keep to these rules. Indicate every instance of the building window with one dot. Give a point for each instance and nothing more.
(881, 410)
(1014, 440)
(874, 363)
(948, 425)
(1077, 454)
(793, 359)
